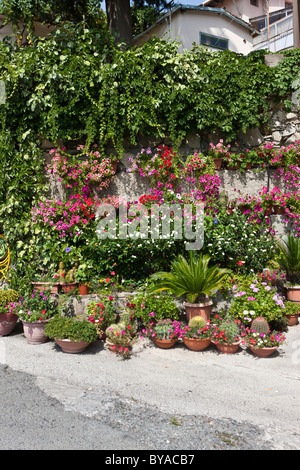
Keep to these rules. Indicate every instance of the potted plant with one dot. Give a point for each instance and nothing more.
(119, 339)
(254, 297)
(102, 313)
(194, 279)
(165, 335)
(72, 334)
(218, 152)
(289, 262)
(82, 278)
(45, 280)
(226, 334)
(35, 312)
(196, 335)
(292, 310)
(260, 340)
(8, 316)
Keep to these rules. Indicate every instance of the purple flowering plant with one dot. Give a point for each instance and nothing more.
(37, 306)
(256, 298)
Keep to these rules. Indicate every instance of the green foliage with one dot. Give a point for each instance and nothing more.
(193, 279)
(150, 308)
(71, 328)
(7, 296)
(289, 258)
(197, 322)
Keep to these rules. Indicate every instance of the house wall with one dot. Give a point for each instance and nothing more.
(41, 30)
(244, 10)
(186, 27)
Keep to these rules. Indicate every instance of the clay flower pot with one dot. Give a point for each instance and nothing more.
(165, 343)
(83, 289)
(72, 347)
(218, 163)
(228, 348)
(293, 294)
(263, 352)
(198, 310)
(7, 323)
(69, 287)
(293, 319)
(41, 286)
(196, 344)
(34, 331)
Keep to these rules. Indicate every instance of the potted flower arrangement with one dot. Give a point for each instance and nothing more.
(102, 313)
(260, 340)
(289, 262)
(82, 278)
(254, 297)
(45, 280)
(226, 334)
(119, 339)
(218, 152)
(8, 316)
(164, 334)
(196, 335)
(71, 334)
(292, 310)
(35, 312)
(194, 279)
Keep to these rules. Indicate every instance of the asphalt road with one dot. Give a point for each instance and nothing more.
(158, 400)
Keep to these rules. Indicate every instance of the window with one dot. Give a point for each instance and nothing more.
(213, 41)
(254, 3)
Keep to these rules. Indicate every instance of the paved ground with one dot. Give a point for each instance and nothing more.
(158, 399)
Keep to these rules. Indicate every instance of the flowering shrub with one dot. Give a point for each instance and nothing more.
(121, 337)
(37, 306)
(163, 330)
(220, 150)
(102, 313)
(255, 297)
(76, 171)
(65, 217)
(152, 308)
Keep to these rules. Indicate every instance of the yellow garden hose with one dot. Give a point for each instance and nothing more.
(4, 257)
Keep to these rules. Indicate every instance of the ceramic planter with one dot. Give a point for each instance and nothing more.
(293, 294)
(83, 289)
(198, 310)
(218, 163)
(196, 344)
(165, 343)
(228, 348)
(34, 331)
(68, 287)
(293, 319)
(263, 352)
(7, 323)
(41, 286)
(72, 347)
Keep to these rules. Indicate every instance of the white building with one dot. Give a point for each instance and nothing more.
(214, 28)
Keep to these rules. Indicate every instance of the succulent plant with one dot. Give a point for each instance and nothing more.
(197, 322)
(260, 325)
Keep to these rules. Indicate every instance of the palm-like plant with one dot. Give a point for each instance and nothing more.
(289, 258)
(192, 278)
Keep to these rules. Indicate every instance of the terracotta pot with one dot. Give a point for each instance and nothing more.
(293, 319)
(263, 352)
(228, 348)
(196, 344)
(72, 347)
(248, 166)
(269, 210)
(68, 287)
(114, 165)
(7, 323)
(165, 343)
(83, 289)
(218, 163)
(233, 167)
(293, 294)
(279, 210)
(41, 286)
(34, 331)
(198, 310)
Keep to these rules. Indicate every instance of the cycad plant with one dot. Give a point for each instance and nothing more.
(289, 258)
(194, 279)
